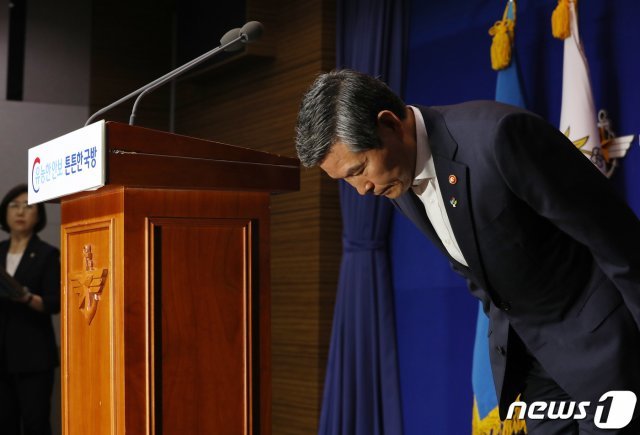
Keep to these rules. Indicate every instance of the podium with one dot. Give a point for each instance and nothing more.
(166, 288)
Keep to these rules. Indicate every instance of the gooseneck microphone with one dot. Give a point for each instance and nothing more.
(233, 40)
(248, 33)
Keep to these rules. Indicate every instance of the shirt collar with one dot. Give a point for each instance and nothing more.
(425, 168)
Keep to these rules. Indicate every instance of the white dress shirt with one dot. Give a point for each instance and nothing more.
(13, 260)
(425, 185)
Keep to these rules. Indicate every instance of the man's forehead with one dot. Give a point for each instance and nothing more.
(340, 161)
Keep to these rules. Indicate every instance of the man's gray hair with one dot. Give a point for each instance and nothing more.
(342, 106)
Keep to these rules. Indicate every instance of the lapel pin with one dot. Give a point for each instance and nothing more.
(32, 255)
(453, 179)
(453, 201)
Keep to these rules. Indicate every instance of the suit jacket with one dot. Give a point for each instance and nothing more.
(27, 341)
(552, 251)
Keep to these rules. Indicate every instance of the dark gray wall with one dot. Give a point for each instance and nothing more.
(4, 27)
(56, 68)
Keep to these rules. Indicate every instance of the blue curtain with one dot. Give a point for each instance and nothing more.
(371, 37)
(361, 394)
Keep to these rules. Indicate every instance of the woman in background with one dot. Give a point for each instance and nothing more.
(28, 351)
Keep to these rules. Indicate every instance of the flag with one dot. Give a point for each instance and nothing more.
(578, 121)
(578, 113)
(486, 420)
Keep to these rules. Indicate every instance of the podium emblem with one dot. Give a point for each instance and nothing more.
(88, 285)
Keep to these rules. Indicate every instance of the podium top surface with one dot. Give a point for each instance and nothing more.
(142, 157)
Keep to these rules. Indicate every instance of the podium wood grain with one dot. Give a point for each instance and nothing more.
(166, 291)
(180, 340)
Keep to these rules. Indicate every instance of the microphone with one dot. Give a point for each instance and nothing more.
(233, 40)
(248, 33)
(251, 31)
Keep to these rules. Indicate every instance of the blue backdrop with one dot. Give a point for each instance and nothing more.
(448, 62)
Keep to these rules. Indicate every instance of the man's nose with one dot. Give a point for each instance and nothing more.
(365, 187)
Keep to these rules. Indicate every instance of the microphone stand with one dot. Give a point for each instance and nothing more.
(165, 78)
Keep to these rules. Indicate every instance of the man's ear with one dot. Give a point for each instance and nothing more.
(387, 120)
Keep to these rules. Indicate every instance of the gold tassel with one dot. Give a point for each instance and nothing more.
(502, 32)
(561, 20)
(515, 426)
(501, 44)
(491, 424)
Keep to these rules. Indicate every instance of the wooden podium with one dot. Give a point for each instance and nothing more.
(165, 287)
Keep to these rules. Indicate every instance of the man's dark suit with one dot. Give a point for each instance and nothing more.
(553, 253)
(28, 350)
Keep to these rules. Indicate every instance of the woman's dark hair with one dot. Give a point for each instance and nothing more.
(10, 196)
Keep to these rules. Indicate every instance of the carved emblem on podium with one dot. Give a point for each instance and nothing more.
(88, 285)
